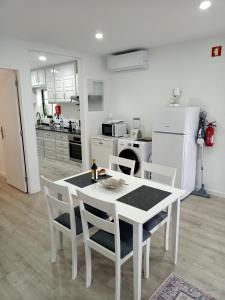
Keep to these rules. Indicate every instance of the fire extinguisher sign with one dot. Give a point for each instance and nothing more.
(216, 51)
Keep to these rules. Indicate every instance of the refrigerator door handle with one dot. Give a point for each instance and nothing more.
(165, 132)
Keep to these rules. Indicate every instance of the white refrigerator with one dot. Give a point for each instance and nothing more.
(174, 143)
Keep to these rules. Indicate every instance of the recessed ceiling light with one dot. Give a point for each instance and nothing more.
(42, 57)
(205, 4)
(99, 35)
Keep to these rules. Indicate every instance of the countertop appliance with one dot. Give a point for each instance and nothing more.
(139, 151)
(75, 147)
(174, 143)
(117, 129)
(102, 148)
(135, 133)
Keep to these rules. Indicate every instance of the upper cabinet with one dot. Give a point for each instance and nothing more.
(65, 82)
(38, 78)
(50, 84)
(60, 81)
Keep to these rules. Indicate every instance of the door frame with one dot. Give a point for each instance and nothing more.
(17, 84)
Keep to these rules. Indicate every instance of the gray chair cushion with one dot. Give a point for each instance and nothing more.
(106, 239)
(64, 219)
(149, 225)
(93, 210)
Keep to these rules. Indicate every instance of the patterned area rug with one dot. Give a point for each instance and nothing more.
(176, 288)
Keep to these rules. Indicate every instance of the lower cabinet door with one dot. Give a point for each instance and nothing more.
(50, 154)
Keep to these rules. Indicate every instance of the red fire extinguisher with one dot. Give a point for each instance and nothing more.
(209, 134)
(57, 110)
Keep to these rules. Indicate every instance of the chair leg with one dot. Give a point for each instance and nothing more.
(166, 235)
(88, 265)
(118, 280)
(60, 240)
(53, 244)
(74, 259)
(147, 258)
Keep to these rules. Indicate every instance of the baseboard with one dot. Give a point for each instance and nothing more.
(216, 193)
(34, 190)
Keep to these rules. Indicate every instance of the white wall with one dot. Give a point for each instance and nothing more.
(14, 54)
(189, 66)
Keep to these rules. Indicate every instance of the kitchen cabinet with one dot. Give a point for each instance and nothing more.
(40, 143)
(64, 79)
(50, 84)
(49, 144)
(38, 78)
(53, 145)
(62, 147)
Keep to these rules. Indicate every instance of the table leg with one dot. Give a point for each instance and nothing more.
(175, 228)
(137, 259)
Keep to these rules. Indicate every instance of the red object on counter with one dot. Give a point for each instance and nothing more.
(209, 135)
(58, 110)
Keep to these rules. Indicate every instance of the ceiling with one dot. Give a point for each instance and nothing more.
(126, 24)
(52, 59)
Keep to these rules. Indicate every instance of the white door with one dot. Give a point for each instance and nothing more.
(167, 150)
(11, 131)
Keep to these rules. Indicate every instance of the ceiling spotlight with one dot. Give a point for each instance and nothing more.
(205, 4)
(99, 35)
(42, 57)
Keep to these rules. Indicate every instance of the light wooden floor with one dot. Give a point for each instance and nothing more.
(26, 271)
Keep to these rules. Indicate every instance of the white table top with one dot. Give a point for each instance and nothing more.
(128, 212)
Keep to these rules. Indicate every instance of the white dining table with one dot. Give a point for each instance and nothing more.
(135, 216)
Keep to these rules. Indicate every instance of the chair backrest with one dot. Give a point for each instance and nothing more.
(120, 161)
(106, 225)
(59, 201)
(160, 170)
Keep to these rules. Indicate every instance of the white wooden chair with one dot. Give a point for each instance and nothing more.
(120, 161)
(114, 239)
(62, 218)
(164, 216)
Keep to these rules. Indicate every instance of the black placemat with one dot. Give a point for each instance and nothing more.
(144, 197)
(84, 179)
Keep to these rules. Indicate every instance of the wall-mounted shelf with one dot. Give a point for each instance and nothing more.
(95, 95)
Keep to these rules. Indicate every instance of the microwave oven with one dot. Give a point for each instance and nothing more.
(114, 129)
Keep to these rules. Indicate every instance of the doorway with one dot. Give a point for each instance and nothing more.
(12, 156)
(56, 101)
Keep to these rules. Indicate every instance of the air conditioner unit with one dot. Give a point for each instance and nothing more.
(128, 61)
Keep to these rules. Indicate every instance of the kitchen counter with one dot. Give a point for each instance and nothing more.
(60, 130)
